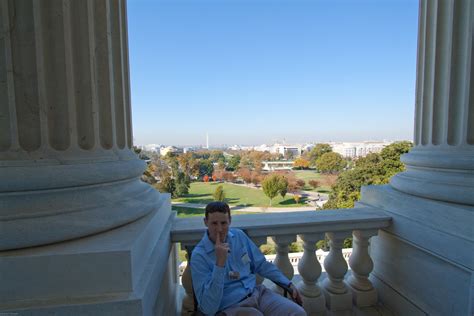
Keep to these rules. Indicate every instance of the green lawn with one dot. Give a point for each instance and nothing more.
(193, 212)
(236, 195)
(308, 175)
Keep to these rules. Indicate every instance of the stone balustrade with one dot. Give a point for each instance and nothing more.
(338, 292)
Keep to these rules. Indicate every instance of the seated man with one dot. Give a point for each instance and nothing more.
(223, 268)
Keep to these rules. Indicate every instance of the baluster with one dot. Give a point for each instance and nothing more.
(282, 261)
(258, 241)
(338, 296)
(310, 271)
(187, 307)
(363, 292)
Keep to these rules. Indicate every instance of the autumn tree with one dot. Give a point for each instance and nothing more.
(218, 174)
(245, 174)
(256, 177)
(301, 163)
(228, 176)
(314, 183)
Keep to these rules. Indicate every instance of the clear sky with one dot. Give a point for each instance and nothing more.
(253, 72)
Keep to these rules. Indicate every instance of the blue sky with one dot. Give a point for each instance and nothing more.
(253, 72)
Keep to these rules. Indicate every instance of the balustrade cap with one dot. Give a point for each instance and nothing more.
(275, 224)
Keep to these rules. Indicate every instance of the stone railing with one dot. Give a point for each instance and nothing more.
(336, 292)
(295, 258)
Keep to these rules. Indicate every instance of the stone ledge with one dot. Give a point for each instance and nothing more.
(110, 264)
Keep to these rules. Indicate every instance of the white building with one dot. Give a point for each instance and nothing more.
(361, 149)
(168, 149)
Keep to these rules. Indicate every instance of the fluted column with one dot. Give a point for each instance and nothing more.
(66, 162)
(441, 165)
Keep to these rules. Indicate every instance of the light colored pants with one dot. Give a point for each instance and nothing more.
(265, 302)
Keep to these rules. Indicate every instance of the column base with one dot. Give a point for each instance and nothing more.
(129, 270)
(422, 262)
(314, 305)
(363, 298)
(338, 302)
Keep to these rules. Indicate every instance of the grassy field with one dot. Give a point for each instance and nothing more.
(237, 195)
(308, 175)
(194, 212)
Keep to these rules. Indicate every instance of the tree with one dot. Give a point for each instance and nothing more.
(219, 194)
(233, 163)
(218, 174)
(373, 169)
(318, 151)
(273, 184)
(301, 163)
(167, 184)
(283, 186)
(205, 167)
(314, 183)
(148, 175)
(256, 177)
(297, 198)
(228, 176)
(216, 155)
(330, 163)
(245, 174)
(182, 183)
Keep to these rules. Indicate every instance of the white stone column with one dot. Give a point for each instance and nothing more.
(66, 162)
(282, 260)
(338, 296)
(363, 292)
(310, 271)
(441, 165)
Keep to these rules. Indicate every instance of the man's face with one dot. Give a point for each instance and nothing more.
(217, 223)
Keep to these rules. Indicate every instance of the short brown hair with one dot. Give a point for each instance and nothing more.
(217, 206)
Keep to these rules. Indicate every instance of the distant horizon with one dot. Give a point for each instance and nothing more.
(253, 72)
(270, 143)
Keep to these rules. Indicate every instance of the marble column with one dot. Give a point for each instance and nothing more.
(441, 165)
(66, 160)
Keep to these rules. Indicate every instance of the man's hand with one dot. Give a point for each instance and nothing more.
(296, 295)
(221, 249)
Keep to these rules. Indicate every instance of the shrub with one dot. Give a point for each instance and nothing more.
(268, 249)
(297, 198)
(314, 183)
(219, 194)
(296, 247)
